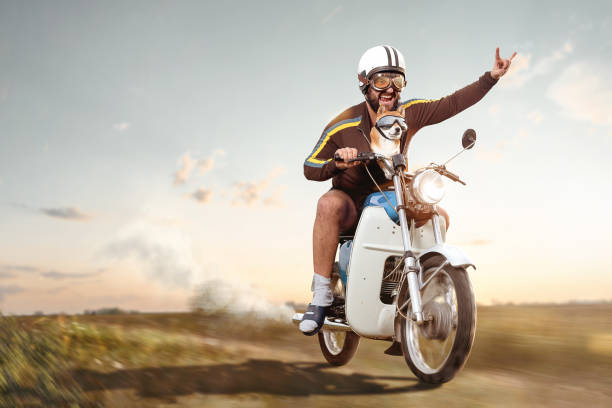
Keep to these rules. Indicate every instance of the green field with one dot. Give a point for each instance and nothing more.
(552, 355)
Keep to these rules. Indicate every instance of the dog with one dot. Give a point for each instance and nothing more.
(386, 134)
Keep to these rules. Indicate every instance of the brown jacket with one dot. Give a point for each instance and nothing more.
(352, 129)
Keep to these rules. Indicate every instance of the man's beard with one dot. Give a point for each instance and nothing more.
(373, 101)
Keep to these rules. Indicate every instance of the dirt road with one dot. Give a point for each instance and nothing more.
(549, 356)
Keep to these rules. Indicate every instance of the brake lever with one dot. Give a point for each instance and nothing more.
(443, 171)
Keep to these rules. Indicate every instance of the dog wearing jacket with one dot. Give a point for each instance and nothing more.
(386, 134)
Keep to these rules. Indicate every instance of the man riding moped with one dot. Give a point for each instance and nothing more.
(382, 76)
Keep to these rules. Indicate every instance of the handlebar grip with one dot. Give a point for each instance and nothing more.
(364, 156)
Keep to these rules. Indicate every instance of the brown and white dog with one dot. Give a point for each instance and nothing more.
(386, 134)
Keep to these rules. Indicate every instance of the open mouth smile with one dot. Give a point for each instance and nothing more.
(386, 98)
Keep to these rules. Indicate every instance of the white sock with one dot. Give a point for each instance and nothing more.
(322, 297)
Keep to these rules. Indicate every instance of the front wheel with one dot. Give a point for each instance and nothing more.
(338, 347)
(438, 349)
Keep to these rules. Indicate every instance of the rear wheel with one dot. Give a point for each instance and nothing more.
(438, 349)
(338, 347)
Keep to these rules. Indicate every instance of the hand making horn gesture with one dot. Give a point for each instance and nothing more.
(501, 65)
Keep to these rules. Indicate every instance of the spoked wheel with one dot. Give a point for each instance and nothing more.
(438, 349)
(338, 347)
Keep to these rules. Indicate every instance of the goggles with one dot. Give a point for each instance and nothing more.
(384, 80)
(390, 120)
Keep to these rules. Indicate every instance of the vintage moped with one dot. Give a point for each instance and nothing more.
(398, 282)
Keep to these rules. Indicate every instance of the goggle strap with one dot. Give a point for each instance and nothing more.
(363, 79)
(381, 132)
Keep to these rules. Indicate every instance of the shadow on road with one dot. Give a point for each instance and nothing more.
(253, 376)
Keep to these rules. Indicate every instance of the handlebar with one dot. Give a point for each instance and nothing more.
(361, 157)
(365, 156)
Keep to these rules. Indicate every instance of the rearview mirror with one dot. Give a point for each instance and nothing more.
(469, 139)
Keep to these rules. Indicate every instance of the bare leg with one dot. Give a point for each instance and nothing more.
(336, 212)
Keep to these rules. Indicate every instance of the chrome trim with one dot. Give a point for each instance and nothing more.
(415, 297)
(384, 248)
(435, 219)
(409, 262)
(399, 197)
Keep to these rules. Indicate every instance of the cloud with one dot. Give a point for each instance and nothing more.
(331, 14)
(66, 213)
(10, 271)
(523, 70)
(496, 153)
(274, 199)
(18, 268)
(9, 290)
(122, 126)
(249, 193)
(535, 116)
(163, 253)
(186, 164)
(202, 195)
(61, 275)
(206, 165)
(584, 91)
(58, 289)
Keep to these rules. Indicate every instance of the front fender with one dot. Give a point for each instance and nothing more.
(455, 255)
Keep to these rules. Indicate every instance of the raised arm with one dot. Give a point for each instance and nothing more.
(424, 112)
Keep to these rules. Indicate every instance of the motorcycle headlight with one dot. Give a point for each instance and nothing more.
(428, 187)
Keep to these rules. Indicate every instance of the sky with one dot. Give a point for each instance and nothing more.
(151, 148)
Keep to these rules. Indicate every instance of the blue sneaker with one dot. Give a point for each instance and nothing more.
(316, 314)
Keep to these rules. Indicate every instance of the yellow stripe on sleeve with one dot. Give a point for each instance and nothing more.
(415, 101)
(329, 134)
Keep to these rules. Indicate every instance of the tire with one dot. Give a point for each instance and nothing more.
(438, 349)
(338, 347)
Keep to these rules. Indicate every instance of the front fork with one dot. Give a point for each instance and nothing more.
(411, 266)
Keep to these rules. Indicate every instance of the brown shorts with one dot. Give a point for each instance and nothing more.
(358, 199)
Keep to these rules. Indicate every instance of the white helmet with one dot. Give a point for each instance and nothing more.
(377, 59)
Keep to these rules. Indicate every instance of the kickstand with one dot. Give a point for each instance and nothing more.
(395, 349)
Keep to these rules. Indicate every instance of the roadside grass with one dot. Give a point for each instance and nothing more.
(560, 340)
(35, 367)
(41, 358)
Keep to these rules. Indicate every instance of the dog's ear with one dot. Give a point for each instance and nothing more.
(381, 110)
(402, 110)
